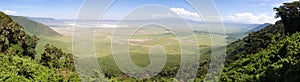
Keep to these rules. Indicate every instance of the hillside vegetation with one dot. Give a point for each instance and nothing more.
(271, 54)
(17, 57)
(43, 32)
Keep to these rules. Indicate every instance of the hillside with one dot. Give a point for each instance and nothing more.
(255, 41)
(18, 57)
(243, 30)
(47, 21)
(259, 27)
(279, 62)
(33, 27)
(269, 55)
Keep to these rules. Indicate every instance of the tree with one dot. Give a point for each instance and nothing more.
(12, 34)
(54, 57)
(290, 15)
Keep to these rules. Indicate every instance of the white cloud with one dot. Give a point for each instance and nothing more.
(294, 0)
(10, 12)
(185, 13)
(250, 18)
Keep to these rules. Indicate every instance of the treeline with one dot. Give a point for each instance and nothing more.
(18, 57)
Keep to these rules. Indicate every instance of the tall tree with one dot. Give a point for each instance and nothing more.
(290, 15)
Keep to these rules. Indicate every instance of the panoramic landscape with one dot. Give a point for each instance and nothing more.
(150, 41)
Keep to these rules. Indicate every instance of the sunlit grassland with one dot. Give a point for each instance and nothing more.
(63, 42)
(139, 46)
(139, 51)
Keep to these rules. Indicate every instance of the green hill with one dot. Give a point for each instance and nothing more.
(17, 57)
(33, 27)
(269, 55)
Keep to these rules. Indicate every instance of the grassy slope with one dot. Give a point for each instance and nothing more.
(65, 43)
(44, 33)
(33, 27)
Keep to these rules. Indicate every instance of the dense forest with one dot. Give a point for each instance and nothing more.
(270, 54)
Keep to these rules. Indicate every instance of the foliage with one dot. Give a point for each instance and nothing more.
(20, 69)
(255, 42)
(17, 57)
(278, 62)
(271, 54)
(56, 58)
(12, 34)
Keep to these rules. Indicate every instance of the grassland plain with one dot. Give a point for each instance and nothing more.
(139, 45)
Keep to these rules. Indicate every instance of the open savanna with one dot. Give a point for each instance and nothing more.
(139, 45)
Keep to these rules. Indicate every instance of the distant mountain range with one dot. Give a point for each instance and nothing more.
(47, 21)
(33, 27)
(244, 32)
(235, 29)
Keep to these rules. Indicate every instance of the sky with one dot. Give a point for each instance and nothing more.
(240, 11)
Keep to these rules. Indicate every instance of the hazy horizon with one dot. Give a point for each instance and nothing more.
(235, 11)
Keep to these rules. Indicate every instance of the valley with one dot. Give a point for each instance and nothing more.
(139, 45)
(237, 41)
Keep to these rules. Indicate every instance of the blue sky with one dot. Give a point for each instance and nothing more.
(244, 11)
